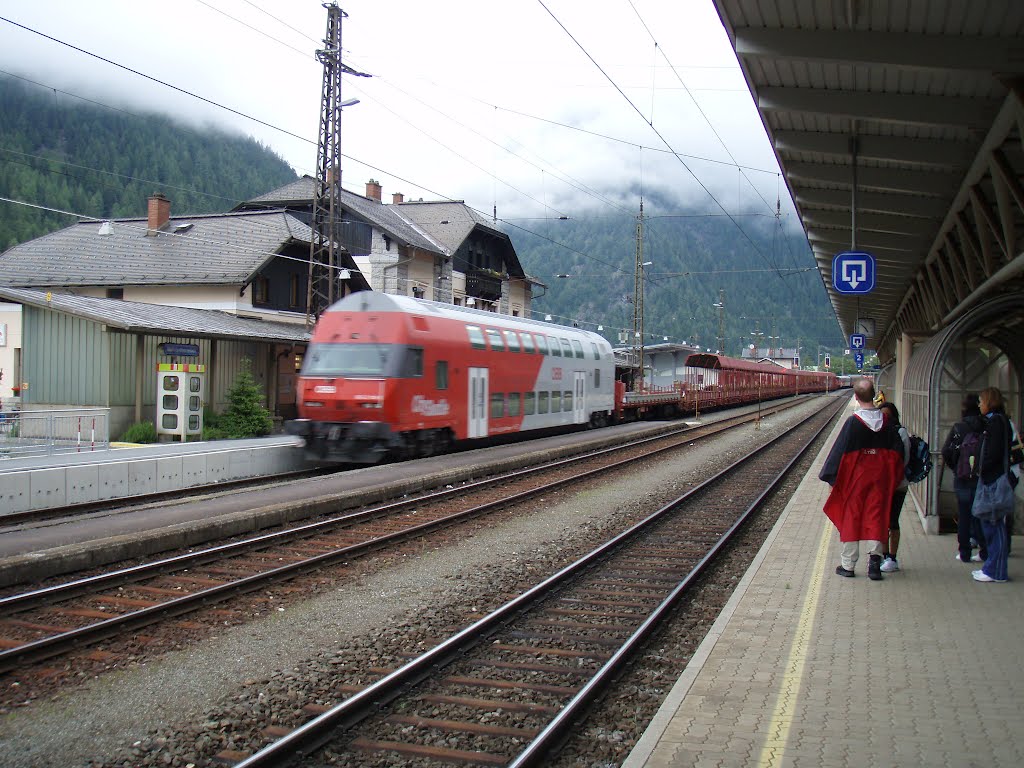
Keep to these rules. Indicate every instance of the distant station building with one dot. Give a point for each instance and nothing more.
(784, 357)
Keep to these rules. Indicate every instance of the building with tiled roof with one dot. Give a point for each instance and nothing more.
(441, 250)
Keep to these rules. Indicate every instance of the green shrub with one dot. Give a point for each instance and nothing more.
(143, 432)
(213, 433)
(245, 416)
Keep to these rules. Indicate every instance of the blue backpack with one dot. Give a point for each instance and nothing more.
(920, 463)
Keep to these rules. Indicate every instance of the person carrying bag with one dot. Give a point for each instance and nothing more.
(994, 499)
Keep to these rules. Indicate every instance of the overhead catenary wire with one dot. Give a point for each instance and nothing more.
(507, 221)
(653, 128)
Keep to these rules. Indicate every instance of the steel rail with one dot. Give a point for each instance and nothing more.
(312, 735)
(54, 645)
(70, 589)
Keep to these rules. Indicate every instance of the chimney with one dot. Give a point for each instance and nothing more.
(158, 213)
(373, 190)
(397, 197)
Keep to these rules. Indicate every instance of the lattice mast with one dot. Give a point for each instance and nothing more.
(323, 246)
(638, 302)
(721, 320)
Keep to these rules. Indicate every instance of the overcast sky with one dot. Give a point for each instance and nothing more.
(487, 101)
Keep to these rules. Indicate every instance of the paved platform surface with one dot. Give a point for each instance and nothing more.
(807, 668)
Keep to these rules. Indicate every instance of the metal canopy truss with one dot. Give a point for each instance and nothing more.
(931, 93)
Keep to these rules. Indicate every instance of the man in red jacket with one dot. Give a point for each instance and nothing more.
(864, 467)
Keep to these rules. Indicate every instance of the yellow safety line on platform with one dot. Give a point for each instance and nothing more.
(782, 716)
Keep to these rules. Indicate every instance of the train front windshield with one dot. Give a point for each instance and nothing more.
(351, 360)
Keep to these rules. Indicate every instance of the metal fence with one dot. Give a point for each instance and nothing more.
(45, 433)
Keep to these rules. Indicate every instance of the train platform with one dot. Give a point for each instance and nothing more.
(51, 481)
(806, 668)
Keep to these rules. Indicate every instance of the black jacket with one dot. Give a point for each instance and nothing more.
(995, 446)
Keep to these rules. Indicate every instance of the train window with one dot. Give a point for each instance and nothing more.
(556, 402)
(441, 374)
(527, 342)
(595, 350)
(566, 348)
(542, 402)
(513, 403)
(476, 337)
(494, 337)
(555, 350)
(529, 403)
(597, 378)
(511, 340)
(352, 360)
(413, 364)
(542, 343)
(497, 405)
(567, 400)
(579, 349)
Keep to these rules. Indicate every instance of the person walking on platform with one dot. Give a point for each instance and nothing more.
(891, 415)
(960, 456)
(995, 462)
(863, 467)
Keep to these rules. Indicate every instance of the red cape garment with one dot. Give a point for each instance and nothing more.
(870, 466)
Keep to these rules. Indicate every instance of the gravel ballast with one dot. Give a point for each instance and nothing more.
(183, 707)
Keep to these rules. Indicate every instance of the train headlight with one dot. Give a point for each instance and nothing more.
(377, 404)
(312, 404)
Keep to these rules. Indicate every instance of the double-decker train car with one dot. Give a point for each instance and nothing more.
(396, 376)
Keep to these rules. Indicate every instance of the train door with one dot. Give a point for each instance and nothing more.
(579, 398)
(478, 402)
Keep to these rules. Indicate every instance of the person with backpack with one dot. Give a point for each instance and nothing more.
(994, 462)
(864, 466)
(889, 562)
(961, 455)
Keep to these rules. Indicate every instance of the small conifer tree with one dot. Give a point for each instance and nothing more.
(245, 416)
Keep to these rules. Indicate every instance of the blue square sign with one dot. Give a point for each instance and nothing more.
(857, 341)
(853, 272)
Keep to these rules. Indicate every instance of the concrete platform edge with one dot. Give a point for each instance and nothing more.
(645, 747)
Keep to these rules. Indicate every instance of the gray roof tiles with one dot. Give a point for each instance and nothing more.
(407, 232)
(222, 248)
(160, 319)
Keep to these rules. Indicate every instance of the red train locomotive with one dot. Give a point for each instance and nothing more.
(401, 376)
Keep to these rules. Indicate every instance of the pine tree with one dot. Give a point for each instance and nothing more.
(246, 416)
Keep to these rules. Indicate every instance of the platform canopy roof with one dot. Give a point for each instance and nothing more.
(923, 99)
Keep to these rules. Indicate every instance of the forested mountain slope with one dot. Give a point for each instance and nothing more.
(771, 284)
(61, 152)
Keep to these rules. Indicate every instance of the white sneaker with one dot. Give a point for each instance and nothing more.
(982, 576)
(889, 565)
(975, 558)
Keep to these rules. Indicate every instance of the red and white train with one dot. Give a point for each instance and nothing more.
(395, 375)
(402, 377)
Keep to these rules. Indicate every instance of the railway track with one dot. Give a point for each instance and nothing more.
(56, 620)
(510, 687)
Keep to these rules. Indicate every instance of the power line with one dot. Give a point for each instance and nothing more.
(656, 131)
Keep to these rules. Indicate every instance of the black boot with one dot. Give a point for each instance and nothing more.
(875, 567)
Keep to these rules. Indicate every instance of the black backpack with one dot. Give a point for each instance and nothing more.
(968, 460)
(920, 463)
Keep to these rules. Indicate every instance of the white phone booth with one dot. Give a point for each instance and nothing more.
(179, 399)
